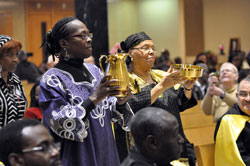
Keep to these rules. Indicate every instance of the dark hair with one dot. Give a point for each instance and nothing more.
(148, 121)
(248, 58)
(243, 74)
(246, 79)
(197, 62)
(11, 138)
(165, 53)
(59, 31)
(199, 55)
(33, 101)
(236, 54)
(178, 60)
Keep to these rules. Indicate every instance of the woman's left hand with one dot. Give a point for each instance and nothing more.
(123, 100)
(188, 84)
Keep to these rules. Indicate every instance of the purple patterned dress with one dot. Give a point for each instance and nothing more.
(83, 129)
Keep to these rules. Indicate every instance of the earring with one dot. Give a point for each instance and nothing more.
(66, 56)
(131, 58)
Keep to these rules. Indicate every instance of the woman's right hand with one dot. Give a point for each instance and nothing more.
(168, 80)
(105, 89)
(171, 78)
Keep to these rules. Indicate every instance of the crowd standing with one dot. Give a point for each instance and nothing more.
(79, 121)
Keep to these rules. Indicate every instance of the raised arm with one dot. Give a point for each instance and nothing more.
(169, 79)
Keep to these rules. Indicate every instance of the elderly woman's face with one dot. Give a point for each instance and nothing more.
(143, 54)
(9, 60)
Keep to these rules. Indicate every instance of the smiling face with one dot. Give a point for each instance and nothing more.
(143, 55)
(243, 96)
(78, 43)
(9, 60)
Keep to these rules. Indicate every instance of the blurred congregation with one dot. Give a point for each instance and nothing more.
(58, 106)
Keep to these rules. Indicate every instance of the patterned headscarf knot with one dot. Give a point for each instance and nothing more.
(4, 39)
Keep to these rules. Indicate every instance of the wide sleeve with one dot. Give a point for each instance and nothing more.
(141, 99)
(64, 113)
(122, 114)
(183, 102)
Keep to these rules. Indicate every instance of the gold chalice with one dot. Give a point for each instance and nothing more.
(188, 70)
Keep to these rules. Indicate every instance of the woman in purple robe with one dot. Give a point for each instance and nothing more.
(76, 101)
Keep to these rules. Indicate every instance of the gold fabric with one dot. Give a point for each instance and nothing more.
(136, 83)
(226, 150)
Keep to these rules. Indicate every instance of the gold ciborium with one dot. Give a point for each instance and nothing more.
(116, 66)
(189, 71)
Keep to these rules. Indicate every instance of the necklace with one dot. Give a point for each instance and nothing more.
(147, 79)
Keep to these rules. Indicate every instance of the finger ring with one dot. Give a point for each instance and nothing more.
(107, 89)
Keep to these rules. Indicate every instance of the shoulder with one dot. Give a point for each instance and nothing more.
(234, 110)
(55, 73)
(93, 69)
(51, 77)
(14, 78)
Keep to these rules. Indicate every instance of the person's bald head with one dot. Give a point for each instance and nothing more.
(156, 135)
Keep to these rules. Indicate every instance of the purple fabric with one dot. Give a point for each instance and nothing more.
(60, 99)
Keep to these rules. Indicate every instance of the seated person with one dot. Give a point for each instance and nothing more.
(156, 136)
(34, 112)
(232, 133)
(201, 57)
(243, 74)
(236, 58)
(200, 86)
(28, 143)
(221, 94)
(27, 70)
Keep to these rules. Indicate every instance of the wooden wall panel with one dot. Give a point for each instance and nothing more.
(38, 11)
(194, 35)
(34, 35)
(6, 20)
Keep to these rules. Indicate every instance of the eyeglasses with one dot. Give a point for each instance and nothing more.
(243, 94)
(44, 148)
(84, 36)
(226, 70)
(145, 48)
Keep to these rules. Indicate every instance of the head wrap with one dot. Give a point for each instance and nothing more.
(4, 39)
(133, 40)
